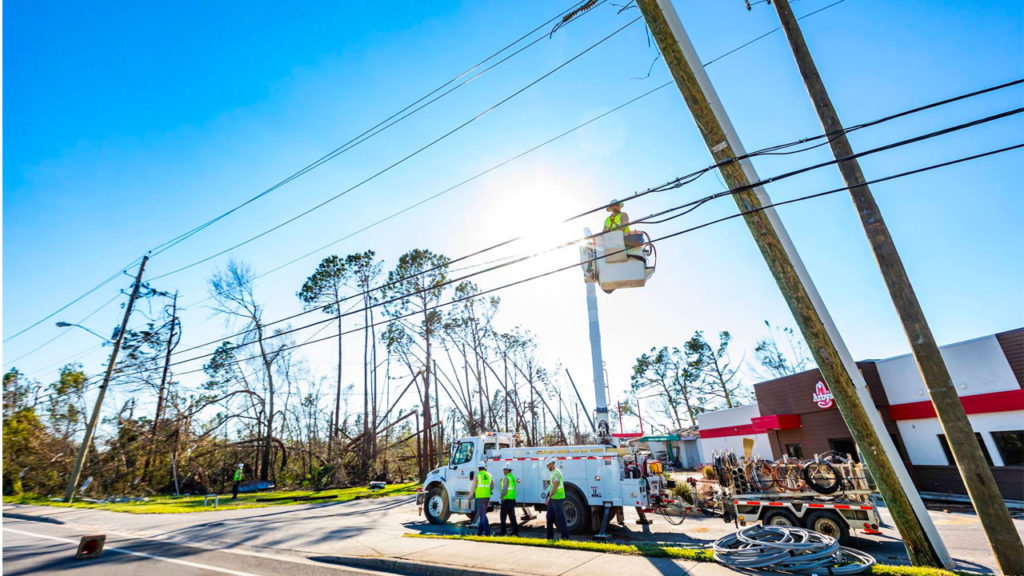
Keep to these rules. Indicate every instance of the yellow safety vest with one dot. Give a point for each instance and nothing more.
(560, 493)
(614, 222)
(483, 485)
(510, 493)
(238, 475)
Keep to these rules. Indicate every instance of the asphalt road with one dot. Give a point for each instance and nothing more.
(31, 547)
(290, 539)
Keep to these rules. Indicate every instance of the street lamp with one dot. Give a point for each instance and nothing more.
(90, 331)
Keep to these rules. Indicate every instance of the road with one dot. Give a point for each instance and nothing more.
(295, 539)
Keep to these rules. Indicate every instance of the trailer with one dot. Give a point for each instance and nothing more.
(835, 517)
(599, 479)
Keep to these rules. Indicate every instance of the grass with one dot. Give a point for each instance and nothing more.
(183, 504)
(656, 551)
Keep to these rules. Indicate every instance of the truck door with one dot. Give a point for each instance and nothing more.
(463, 468)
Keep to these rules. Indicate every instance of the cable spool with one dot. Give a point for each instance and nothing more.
(822, 477)
(787, 549)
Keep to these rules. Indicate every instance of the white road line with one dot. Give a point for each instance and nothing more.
(141, 554)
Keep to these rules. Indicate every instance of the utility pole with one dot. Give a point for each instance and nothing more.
(163, 386)
(977, 476)
(76, 471)
(830, 353)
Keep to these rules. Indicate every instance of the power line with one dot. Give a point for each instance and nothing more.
(166, 245)
(377, 128)
(697, 202)
(404, 158)
(63, 333)
(654, 240)
(686, 179)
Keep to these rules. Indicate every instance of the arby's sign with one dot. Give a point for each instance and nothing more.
(822, 395)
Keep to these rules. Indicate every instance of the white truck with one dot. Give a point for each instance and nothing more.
(597, 478)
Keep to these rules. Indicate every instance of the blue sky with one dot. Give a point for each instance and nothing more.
(126, 125)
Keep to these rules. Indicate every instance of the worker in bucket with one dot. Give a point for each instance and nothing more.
(481, 489)
(508, 501)
(236, 480)
(555, 503)
(617, 219)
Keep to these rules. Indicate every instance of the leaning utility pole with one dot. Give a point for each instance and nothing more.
(76, 471)
(834, 360)
(163, 387)
(977, 476)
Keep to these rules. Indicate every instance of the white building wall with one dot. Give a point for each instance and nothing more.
(921, 436)
(977, 367)
(739, 416)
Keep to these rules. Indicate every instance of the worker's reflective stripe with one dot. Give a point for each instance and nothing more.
(483, 485)
(559, 494)
(510, 494)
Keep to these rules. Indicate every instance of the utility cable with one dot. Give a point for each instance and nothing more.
(404, 158)
(652, 241)
(672, 184)
(377, 128)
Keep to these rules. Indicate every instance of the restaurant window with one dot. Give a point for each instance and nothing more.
(844, 446)
(949, 454)
(794, 451)
(1010, 444)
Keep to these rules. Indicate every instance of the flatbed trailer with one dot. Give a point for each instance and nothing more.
(835, 516)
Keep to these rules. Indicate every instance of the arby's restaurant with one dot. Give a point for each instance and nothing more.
(797, 415)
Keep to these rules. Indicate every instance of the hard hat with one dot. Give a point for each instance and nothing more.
(240, 465)
(482, 465)
(613, 204)
(507, 467)
(550, 462)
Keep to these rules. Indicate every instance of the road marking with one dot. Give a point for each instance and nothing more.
(141, 554)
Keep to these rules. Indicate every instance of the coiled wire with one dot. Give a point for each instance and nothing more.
(786, 549)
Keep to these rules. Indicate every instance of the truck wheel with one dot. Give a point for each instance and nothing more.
(577, 512)
(780, 518)
(436, 507)
(831, 524)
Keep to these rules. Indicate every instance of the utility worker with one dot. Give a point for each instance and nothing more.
(482, 492)
(508, 501)
(235, 481)
(555, 503)
(617, 219)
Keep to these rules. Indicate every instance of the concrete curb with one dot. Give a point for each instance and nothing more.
(399, 566)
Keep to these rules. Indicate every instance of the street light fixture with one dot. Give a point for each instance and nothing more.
(90, 331)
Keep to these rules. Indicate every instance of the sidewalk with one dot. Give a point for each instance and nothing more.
(457, 558)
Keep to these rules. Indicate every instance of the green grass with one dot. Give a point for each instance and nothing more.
(181, 504)
(656, 551)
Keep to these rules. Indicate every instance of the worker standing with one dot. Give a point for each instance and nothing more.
(482, 492)
(617, 219)
(236, 480)
(555, 503)
(508, 501)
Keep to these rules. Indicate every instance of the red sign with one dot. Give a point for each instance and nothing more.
(822, 395)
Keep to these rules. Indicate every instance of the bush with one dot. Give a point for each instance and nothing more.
(709, 473)
(683, 491)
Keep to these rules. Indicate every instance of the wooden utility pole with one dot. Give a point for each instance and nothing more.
(834, 360)
(977, 476)
(90, 430)
(163, 388)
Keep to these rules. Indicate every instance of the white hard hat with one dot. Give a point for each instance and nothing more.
(551, 461)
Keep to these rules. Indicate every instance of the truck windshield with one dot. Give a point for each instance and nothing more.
(463, 454)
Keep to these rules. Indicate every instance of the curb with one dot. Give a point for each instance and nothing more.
(400, 566)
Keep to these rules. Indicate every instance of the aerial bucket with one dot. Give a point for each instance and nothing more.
(616, 260)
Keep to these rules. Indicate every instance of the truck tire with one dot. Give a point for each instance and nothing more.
(435, 507)
(780, 518)
(577, 512)
(829, 523)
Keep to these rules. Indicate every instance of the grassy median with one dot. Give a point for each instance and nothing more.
(656, 551)
(180, 504)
